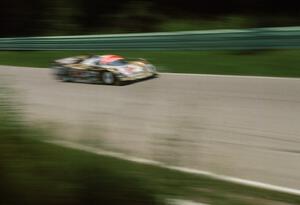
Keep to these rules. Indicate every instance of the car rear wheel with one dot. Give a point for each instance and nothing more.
(108, 78)
(67, 79)
(63, 74)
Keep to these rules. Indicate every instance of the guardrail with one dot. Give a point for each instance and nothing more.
(255, 38)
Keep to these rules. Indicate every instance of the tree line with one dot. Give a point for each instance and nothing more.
(64, 17)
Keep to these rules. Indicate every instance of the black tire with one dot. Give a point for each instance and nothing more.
(66, 75)
(93, 78)
(62, 73)
(108, 78)
(67, 79)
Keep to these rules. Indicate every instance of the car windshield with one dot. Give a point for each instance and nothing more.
(118, 62)
(91, 61)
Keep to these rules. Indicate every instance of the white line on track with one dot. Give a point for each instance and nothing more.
(177, 168)
(228, 76)
(183, 202)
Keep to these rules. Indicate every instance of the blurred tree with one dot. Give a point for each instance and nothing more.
(55, 17)
(60, 17)
(137, 16)
(20, 17)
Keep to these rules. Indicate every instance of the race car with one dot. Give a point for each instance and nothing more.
(106, 69)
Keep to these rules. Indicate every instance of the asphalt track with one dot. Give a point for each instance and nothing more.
(245, 127)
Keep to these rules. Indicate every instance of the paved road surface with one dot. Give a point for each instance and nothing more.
(244, 127)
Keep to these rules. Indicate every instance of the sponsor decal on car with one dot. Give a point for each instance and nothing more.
(105, 59)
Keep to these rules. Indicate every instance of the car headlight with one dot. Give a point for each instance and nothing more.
(151, 67)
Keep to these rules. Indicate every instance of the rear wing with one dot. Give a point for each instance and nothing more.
(70, 60)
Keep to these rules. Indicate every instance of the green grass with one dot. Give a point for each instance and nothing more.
(281, 63)
(33, 172)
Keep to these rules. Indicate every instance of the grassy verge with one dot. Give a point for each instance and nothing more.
(280, 63)
(34, 173)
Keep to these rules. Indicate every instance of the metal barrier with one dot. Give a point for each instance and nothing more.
(256, 38)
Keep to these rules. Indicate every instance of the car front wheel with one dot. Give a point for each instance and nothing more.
(108, 78)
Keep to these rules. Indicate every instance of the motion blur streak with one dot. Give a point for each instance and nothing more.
(242, 127)
(181, 169)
